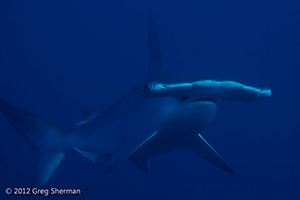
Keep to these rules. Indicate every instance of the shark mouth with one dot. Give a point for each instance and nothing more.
(187, 99)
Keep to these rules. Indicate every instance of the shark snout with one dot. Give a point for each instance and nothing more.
(265, 93)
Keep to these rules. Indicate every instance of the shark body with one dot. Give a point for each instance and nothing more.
(149, 120)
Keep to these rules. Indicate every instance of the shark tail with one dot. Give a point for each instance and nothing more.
(45, 139)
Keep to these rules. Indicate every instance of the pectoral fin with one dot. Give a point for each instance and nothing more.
(136, 156)
(95, 158)
(142, 163)
(203, 149)
(87, 116)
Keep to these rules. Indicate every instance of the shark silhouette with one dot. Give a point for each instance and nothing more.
(151, 119)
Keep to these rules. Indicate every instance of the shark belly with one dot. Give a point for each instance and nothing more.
(183, 119)
(178, 122)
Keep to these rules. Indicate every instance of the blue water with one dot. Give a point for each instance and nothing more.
(59, 58)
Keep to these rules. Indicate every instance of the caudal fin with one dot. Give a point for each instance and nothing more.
(45, 139)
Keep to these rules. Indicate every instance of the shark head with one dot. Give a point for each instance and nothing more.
(206, 90)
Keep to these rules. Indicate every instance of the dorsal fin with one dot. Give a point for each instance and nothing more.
(155, 64)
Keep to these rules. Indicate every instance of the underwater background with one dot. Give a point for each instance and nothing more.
(61, 57)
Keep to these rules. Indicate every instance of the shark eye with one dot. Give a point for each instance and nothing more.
(146, 88)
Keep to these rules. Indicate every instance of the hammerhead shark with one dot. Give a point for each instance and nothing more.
(151, 119)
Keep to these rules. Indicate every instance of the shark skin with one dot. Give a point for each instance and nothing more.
(194, 106)
(150, 120)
